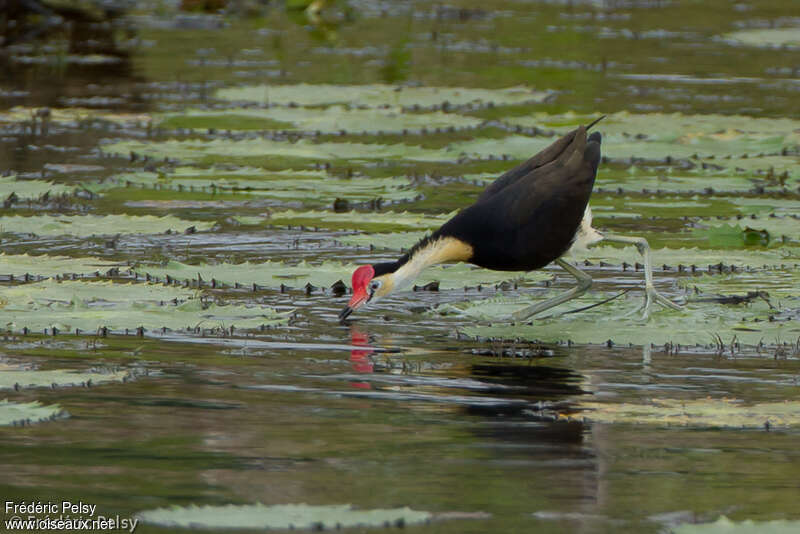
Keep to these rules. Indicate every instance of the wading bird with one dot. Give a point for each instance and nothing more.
(528, 217)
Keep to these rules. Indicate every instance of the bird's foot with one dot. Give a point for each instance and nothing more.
(652, 296)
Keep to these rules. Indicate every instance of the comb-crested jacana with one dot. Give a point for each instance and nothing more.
(528, 217)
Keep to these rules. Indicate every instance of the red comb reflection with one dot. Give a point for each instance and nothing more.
(359, 359)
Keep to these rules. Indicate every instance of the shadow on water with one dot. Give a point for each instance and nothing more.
(76, 44)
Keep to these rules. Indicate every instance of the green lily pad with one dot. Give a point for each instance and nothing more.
(30, 189)
(779, 283)
(13, 379)
(366, 221)
(282, 516)
(618, 321)
(706, 412)
(22, 264)
(72, 116)
(700, 257)
(315, 187)
(328, 120)
(325, 274)
(766, 37)
(89, 225)
(656, 136)
(12, 413)
(212, 151)
(762, 231)
(70, 305)
(377, 95)
(391, 241)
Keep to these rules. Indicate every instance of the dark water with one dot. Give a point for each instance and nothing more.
(395, 409)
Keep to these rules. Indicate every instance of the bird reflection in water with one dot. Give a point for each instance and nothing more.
(360, 358)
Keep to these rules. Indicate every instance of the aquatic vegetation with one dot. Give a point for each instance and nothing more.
(696, 413)
(16, 379)
(89, 225)
(275, 274)
(311, 187)
(13, 413)
(765, 37)
(377, 95)
(332, 119)
(89, 306)
(29, 189)
(284, 516)
(19, 265)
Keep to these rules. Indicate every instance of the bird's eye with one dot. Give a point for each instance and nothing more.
(375, 285)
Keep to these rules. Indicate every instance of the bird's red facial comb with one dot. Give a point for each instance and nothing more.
(361, 278)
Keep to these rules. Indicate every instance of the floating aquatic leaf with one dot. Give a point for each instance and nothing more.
(246, 150)
(778, 283)
(699, 257)
(766, 37)
(70, 305)
(618, 321)
(13, 379)
(377, 95)
(328, 120)
(706, 412)
(34, 412)
(21, 264)
(366, 221)
(89, 225)
(627, 135)
(282, 516)
(285, 185)
(29, 189)
(393, 241)
(636, 180)
(325, 274)
(73, 115)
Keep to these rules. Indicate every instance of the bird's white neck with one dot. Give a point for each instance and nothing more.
(440, 250)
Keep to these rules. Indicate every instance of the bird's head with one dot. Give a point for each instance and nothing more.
(369, 284)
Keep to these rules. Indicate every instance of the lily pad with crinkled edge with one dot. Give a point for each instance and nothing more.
(778, 283)
(246, 150)
(699, 413)
(12, 413)
(328, 120)
(392, 241)
(356, 220)
(89, 225)
(676, 135)
(699, 257)
(723, 525)
(29, 189)
(13, 379)
(325, 274)
(282, 516)
(766, 37)
(620, 321)
(70, 305)
(44, 265)
(73, 115)
(377, 95)
(311, 186)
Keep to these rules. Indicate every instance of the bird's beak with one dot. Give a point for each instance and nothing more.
(356, 302)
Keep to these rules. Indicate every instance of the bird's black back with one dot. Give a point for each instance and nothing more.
(529, 216)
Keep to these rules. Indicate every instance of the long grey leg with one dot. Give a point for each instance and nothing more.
(584, 283)
(650, 293)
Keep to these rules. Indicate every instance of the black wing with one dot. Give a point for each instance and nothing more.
(531, 219)
(543, 157)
